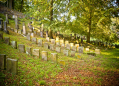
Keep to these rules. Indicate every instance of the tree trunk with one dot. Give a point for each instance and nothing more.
(10, 4)
(51, 10)
(21, 6)
(88, 34)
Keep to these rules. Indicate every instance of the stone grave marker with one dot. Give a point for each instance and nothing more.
(97, 51)
(40, 42)
(21, 48)
(35, 32)
(52, 47)
(36, 52)
(7, 40)
(16, 22)
(14, 44)
(15, 30)
(66, 42)
(28, 37)
(62, 62)
(12, 65)
(2, 61)
(46, 45)
(71, 44)
(78, 55)
(1, 36)
(58, 49)
(52, 41)
(34, 40)
(87, 49)
(47, 38)
(68, 46)
(54, 57)
(41, 34)
(72, 53)
(80, 49)
(45, 55)
(5, 28)
(19, 31)
(32, 34)
(24, 30)
(61, 41)
(74, 48)
(57, 39)
(62, 45)
(66, 52)
(57, 43)
(28, 50)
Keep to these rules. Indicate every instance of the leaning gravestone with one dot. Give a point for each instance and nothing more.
(14, 44)
(36, 52)
(40, 42)
(80, 49)
(72, 53)
(2, 61)
(28, 51)
(54, 57)
(1, 36)
(45, 55)
(21, 48)
(5, 27)
(7, 40)
(16, 22)
(34, 40)
(12, 65)
(32, 34)
(46, 45)
(58, 49)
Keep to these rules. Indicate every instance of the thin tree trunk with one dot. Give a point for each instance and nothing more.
(21, 6)
(88, 34)
(51, 10)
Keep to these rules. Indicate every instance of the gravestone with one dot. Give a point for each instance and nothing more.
(1, 24)
(62, 45)
(1, 36)
(2, 61)
(32, 34)
(7, 19)
(66, 52)
(7, 40)
(16, 22)
(52, 41)
(78, 55)
(71, 44)
(54, 57)
(34, 40)
(40, 42)
(62, 62)
(57, 38)
(5, 28)
(46, 45)
(45, 55)
(12, 65)
(68, 46)
(47, 38)
(28, 37)
(24, 30)
(87, 49)
(72, 53)
(12, 29)
(80, 49)
(15, 30)
(52, 47)
(36, 52)
(58, 49)
(74, 48)
(97, 51)
(66, 42)
(38, 33)
(35, 32)
(21, 48)
(41, 34)
(61, 41)
(19, 31)
(14, 44)
(28, 50)
(57, 43)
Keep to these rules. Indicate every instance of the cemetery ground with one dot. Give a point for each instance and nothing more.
(99, 70)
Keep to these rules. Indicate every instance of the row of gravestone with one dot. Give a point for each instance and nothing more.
(69, 46)
(12, 63)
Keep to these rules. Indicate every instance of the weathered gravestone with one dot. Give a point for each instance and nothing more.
(80, 49)
(34, 40)
(40, 42)
(78, 55)
(1, 24)
(57, 43)
(52, 47)
(12, 65)
(35, 32)
(62, 45)
(21, 48)
(61, 41)
(28, 50)
(72, 53)
(52, 41)
(2, 61)
(62, 62)
(32, 34)
(58, 49)
(36, 52)
(5, 28)
(7, 40)
(97, 51)
(68, 46)
(45, 55)
(54, 57)
(24, 30)
(1, 36)
(87, 49)
(47, 38)
(66, 52)
(14, 44)
(66, 42)
(46, 45)
(16, 22)
(28, 37)
(74, 48)
(41, 34)
(71, 44)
